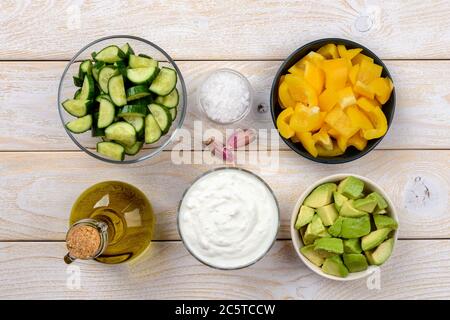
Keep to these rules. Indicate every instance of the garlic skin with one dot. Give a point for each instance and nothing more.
(241, 138)
(219, 150)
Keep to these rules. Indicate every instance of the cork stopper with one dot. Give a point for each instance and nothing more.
(83, 242)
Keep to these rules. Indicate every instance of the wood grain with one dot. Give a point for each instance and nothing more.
(251, 29)
(37, 190)
(31, 122)
(417, 270)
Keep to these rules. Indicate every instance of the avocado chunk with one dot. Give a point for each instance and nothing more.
(308, 237)
(351, 187)
(381, 203)
(320, 196)
(315, 230)
(334, 266)
(379, 211)
(328, 214)
(367, 204)
(374, 238)
(312, 255)
(335, 229)
(304, 217)
(333, 245)
(339, 200)
(355, 227)
(352, 246)
(382, 253)
(348, 210)
(355, 262)
(382, 221)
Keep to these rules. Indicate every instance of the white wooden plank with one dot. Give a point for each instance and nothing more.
(30, 121)
(37, 190)
(417, 270)
(251, 29)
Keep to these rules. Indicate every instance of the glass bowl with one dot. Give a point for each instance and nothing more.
(67, 89)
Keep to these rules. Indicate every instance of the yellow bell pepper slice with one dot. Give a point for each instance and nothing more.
(367, 104)
(346, 97)
(339, 121)
(286, 101)
(379, 121)
(342, 143)
(357, 141)
(382, 88)
(369, 71)
(360, 58)
(306, 118)
(315, 76)
(283, 123)
(329, 51)
(353, 73)
(363, 89)
(299, 67)
(335, 151)
(328, 99)
(336, 73)
(358, 118)
(307, 142)
(297, 70)
(323, 138)
(301, 90)
(348, 53)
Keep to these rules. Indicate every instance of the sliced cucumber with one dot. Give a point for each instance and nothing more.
(152, 129)
(134, 149)
(144, 101)
(88, 88)
(165, 82)
(111, 150)
(110, 54)
(96, 69)
(77, 94)
(122, 132)
(77, 108)
(104, 75)
(77, 82)
(127, 50)
(103, 96)
(142, 62)
(136, 110)
(95, 131)
(136, 122)
(141, 75)
(137, 92)
(169, 101)
(116, 88)
(85, 68)
(173, 113)
(122, 67)
(106, 113)
(80, 125)
(162, 116)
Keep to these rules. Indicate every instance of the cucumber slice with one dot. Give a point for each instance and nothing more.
(116, 89)
(137, 92)
(162, 116)
(152, 129)
(110, 54)
(96, 69)
(85, 68)
(142, 62)
(106, 113)
(80, 125)
(165, 82)
(122, 132)
(169, 101)
(77, 108)
(144, 101)
(141, 75)
(95, 131)
(88, 88)
(134, 149)
(77, 82)
(127, 50)
(136, 110)
(173, 113)
(103, 96)
(77, 94)
(111, 150)
(104, 75)
(121, 67)
(136, 122)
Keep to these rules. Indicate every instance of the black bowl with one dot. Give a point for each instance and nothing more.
(351, 153)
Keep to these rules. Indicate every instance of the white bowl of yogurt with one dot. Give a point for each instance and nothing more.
(228, 218)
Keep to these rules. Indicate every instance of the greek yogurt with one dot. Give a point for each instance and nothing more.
(228, 218)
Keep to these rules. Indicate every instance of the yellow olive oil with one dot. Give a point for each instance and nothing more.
(127, 213)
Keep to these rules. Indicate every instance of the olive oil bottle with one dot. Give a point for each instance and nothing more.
(111, 222)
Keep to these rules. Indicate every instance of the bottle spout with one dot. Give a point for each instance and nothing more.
(69, 259)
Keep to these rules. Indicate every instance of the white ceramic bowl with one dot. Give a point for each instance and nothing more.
(295, 234)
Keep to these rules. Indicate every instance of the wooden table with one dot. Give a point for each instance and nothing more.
(42, 171)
